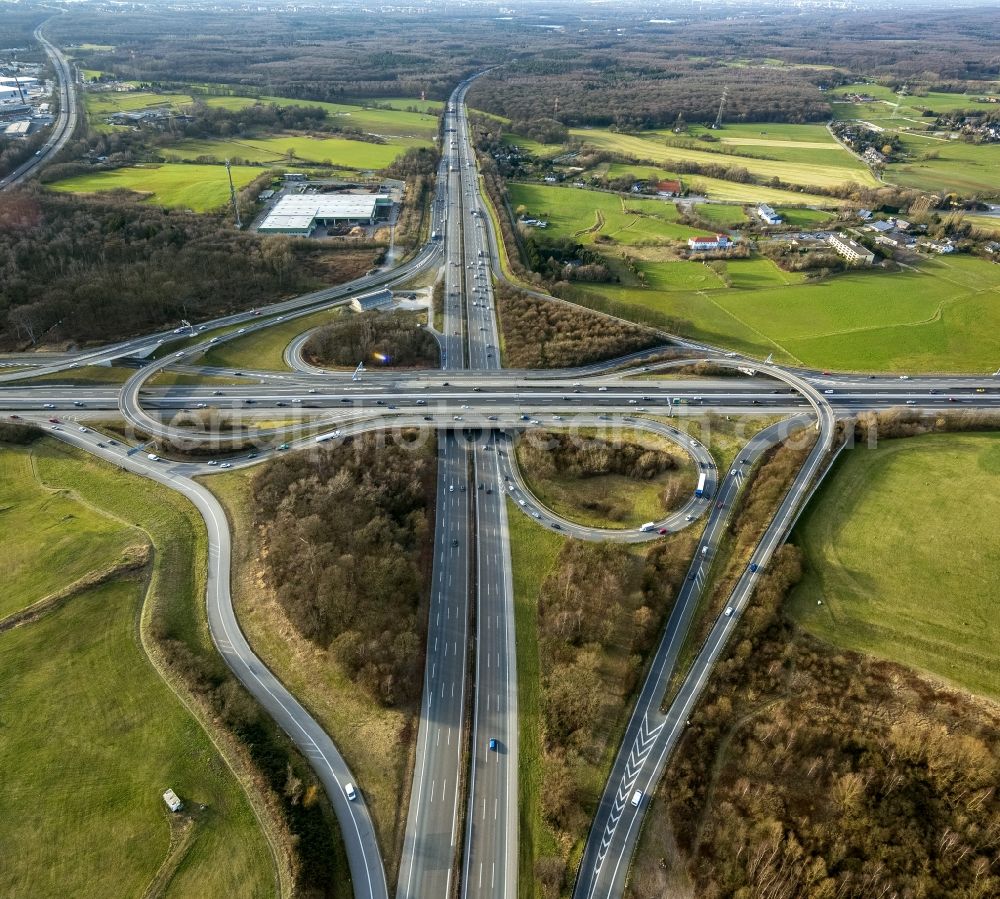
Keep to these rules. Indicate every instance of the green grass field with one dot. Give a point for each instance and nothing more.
(892, 110)
(903, 552)
(988, 224)
(50, 538)
(398, 121)
(533, 147)
(289, 149)
(585, 214)
(100, 105)
(92, 735)
(265, 349)
(804, 218)
(939, 166)
(86, 374)
(198, 187)
(798, 169)
(805, 144)
(720, 215)
(942, 317)
(533, 555)
(717, 188)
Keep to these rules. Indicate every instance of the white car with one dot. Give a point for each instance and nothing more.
(350, 792)
(729, 611)
(85, 430)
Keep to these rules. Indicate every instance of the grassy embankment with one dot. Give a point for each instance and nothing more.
(83, 812)
(889, 553)
(265, 349)
(534, 551)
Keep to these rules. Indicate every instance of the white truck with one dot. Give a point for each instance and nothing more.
(647, 527)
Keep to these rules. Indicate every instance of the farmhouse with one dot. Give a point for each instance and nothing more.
(768, 215)
(851, 250)
(301, 214)
(700, 244)
(668, 188)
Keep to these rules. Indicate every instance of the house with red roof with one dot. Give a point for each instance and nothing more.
(668, 188)
(719, 242)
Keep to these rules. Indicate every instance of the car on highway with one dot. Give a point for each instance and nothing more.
(49, 406)
(662, 531)
(494, 744)
(454, 543)
(350, 792)
(636, 798)
(729, 611)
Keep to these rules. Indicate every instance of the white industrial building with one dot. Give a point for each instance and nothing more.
(374, 300)
(301, 214)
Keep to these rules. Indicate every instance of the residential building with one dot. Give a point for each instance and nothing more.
(768, 215)
(700, 244)
(880, 227)
(937, 246)
(851, 250)
(668, 188)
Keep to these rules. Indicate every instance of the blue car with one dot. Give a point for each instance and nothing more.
(493, 744)
(753, 566)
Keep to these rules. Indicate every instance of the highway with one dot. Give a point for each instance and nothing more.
(490, 862)
(431, 841)
(66, 118)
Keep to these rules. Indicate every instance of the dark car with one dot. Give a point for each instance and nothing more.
(454, 543)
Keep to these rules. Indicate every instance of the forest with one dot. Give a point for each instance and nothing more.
(545, 334)
(347, 533)
(395, 339)
(76, 270)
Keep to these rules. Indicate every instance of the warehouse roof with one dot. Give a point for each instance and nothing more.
(301, 210)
